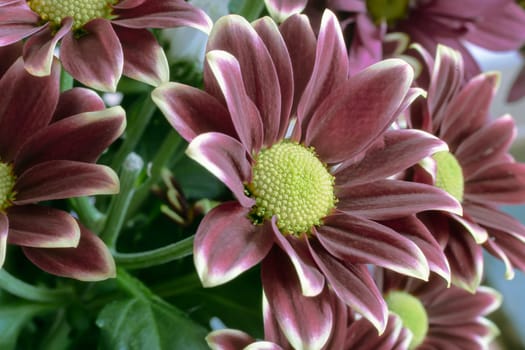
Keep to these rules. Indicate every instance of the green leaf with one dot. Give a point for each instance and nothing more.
(250, 9)
(13, 318)
(141, 323)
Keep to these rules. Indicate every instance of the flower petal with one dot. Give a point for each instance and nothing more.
(507, 248)
(245, 116)
(225, 158)
(269, 33)
(330, 68)
(413, 229)
(192, 111)
(485, 146)
(389, 199)
(4, 228)
(42, 227)
(77, 100)
(357, 240)
(401, 149)
(9, 55)
(236, 36)
(459, 120)
(465, 257)
(59, 179)
(282, 9)
(24, 109)
(89, 261)
(365, 105)
(310, 278)
(17, 21)
(228, 339)
(283, 291)
(364, 336)
(81, 138)
(227, 243)
(493, 218)
(301, 43)
(144, 58)
(161, 14)
(39, 49)
(95, 59)
(353, 284)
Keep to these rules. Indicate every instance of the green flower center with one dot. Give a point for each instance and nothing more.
(7, 182)
(82, 11)
(289, 181)
(449, 176)
(412, 313)
(387, 10)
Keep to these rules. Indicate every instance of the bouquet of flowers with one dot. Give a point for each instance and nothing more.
(248, 174)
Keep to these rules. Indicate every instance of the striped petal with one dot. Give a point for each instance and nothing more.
(227, 243)
(89, 261)
(42, 227)
(282, 9)
(59, 179)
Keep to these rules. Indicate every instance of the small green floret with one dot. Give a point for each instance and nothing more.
(82, 11)
(412, 314)
(387, 10)
(7, 182)
(289, 181)
(449, 176)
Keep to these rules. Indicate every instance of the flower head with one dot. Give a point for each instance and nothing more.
(48, 145)
(494, 24)
(477, 169)
(304, 149)
(438, 316)
(100, 39)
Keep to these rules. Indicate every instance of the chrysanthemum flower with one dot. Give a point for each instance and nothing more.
(441, 317)
(100, 39)
(48, 144)
(477, 170)
(306, 152)
(493, 24)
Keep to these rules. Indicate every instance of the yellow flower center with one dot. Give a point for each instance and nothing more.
(290, 182)
(412, 313)
(387, 10)
(82, 11)
(7, 182)
(449, 176)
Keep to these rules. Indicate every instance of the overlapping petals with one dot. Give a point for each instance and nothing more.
(260, 90)
(491, 177)
(106, 48)
(52, 147)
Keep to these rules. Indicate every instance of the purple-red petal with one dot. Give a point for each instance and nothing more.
(227, 244)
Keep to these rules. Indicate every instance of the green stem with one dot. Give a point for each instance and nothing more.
(132, 285)
(27, 291)
(88, 214)
(119, 205)
(138, 118)
(66, 81)
(178, 286)
(155, 257)
(164, 156)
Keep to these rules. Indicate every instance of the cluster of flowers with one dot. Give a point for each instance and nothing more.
(367, 176)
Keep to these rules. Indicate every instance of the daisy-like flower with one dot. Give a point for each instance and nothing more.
(497, 25)
(306, 152)
(477, 170)
(441, 317)
(101, 40)
(48, 145)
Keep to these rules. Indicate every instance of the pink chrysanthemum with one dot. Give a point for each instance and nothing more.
(48, 145)
(441, 317)
(478, 170)
(307, 152)
(494, 24)
(100, 39)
